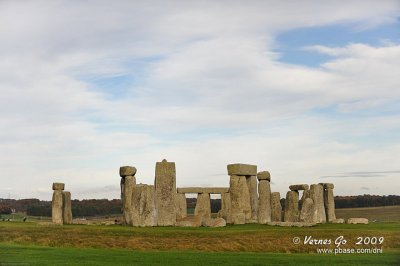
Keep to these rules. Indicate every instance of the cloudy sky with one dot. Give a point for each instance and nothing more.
(308, 90)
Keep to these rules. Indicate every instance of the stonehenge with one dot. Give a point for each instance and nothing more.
(61, 211)
(247, 199)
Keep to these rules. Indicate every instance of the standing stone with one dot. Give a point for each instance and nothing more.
(203, 205)
(143, 206)
(240, 200)
(130, 182)
(165, 184)
(225, 211)
(317, 195)
(307, 211)
(181, 206)
(57, 207)
(67, 211)
(252, 186)
(264, 200)
(276, 207)
(329, 202)
(306, 194)
(292, 207)
(123, 172)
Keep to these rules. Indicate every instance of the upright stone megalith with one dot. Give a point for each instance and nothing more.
(67, 210)
(307, 211)
(241, 203)
(276, 207)
(252, 186)
(61, 212)
(181, 206)
(292, 207)
(316, 193)
(203, 205)
(143, 211)
(329, 201)
(123, 172)
(264, 200)
(57, 203)
(225, 211)
(130, 182)
(165, 184)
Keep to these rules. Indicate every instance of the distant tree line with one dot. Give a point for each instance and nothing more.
(104, 207)
(366, 201)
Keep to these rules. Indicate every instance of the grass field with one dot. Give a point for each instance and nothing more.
(35, 255)
(250, 244)
(40, 243)
(382, 214)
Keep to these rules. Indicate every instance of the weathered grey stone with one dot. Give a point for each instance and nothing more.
(190, 221)
(127, 171)
(213, 222)
(316, 193)
(292, 207)
(57, 207)
(338, 221)
(242, 169)
(276, 207)
(264, 175)
(121, 184)
(67, 210)
(357, 221)
(225, 211)
(181, 206)
(292, 224)
(58, 186)
(252, 185)
(240, 199)
(239, 218)
(209, 190)
(307, 211)
(327, 185)
(203, 205)
(143, 206)
(165, 183)
(130, 182)
(306, 194)
(264, 201)
(329, 202)
(299, 187)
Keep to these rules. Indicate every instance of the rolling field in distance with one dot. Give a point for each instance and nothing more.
(380, 214)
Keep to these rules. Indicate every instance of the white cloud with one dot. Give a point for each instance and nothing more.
(204, 69)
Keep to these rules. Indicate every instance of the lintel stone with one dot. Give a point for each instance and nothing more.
(264, 175)
(242, 169)
(58, 186)
(208, 190)
(327, 185)
(127, 171)
(299, 187)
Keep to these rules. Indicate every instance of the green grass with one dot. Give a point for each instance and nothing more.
(238, 238)
(33, 255)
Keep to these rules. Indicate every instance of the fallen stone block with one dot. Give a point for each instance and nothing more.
(357, 221)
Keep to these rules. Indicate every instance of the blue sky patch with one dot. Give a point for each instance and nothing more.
(290, 43)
